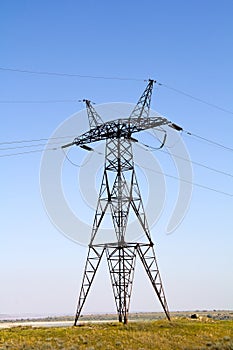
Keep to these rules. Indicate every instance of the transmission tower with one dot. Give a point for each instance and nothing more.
(120, 193)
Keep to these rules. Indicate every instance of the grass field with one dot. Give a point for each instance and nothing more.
(178, 334)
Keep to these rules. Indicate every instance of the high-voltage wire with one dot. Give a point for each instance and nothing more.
(198, 99)
(68, 74)
(27, 152)
(36, 140)
(153, 170)
(61, 74)
(201, 138)
(30, 146)
(187, 181)
(151, 148)
(37, 101)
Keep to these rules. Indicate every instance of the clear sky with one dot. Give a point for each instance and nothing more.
(187, 45)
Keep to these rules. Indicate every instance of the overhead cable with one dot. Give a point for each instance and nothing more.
(37, 101)
(27, 152)
(27, 71)
(195, 98)
(75, 164)
(189, 182)
(36, 140)
(140, 144)
(153, 170)
(68, 74)
(150, 148)
(208, 141)
(30, 146)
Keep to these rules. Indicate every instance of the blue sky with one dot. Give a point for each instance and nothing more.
(185, 45)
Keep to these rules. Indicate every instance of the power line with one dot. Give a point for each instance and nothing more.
(68, 74)
(36, 140)
(208, 141)
(189, 182)
(196, 98)
(149, 148)
(36, 101)
(27, 71)
(75, 164)
(43, 150)
(73, 136)
(27, 152)
(30, 146)
(153, 170)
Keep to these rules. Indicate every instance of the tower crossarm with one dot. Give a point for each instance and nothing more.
(119, 128)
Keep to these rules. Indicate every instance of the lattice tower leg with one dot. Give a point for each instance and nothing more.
(92, 263)
(147, 255)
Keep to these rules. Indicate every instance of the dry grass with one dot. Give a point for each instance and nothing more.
(179, 334)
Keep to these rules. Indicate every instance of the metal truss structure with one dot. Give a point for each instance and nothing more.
(120, 193)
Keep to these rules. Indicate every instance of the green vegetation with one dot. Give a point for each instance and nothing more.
(178, 334)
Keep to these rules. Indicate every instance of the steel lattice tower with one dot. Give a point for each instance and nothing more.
(121, 195)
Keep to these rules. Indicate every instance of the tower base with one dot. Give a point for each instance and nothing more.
(121, 260)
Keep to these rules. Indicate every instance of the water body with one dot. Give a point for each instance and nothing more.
(46, 324)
